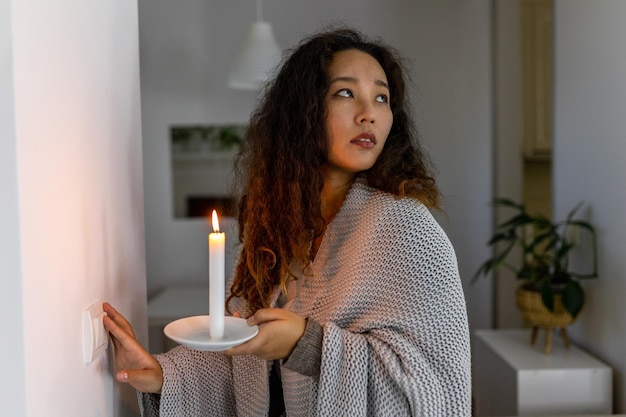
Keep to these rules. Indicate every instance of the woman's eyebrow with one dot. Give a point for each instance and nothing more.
(382, 84)
(355, 80)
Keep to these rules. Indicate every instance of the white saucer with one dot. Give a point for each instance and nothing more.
(193, 332)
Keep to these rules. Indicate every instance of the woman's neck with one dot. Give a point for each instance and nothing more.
(333, 195)
(332, 198)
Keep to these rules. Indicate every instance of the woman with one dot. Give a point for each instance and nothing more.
(353, 284)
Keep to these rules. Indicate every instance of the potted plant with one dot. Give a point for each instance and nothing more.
(544, 267)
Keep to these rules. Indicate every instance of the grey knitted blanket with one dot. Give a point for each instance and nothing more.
(386, 289)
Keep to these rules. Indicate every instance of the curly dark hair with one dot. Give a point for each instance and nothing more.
(285, 148)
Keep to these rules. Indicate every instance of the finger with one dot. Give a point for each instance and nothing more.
(144, 380)
(114, 331)
(110, 310)
(252, 346)
(120, 336)
(119, 319)
(246, 348)
(266, 314)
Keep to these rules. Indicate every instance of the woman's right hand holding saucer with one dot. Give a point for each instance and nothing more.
(133, 363)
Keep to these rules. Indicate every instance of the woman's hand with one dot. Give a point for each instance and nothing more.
(279, 332)
(134, 364)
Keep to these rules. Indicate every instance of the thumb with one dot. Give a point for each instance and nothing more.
(266, 314)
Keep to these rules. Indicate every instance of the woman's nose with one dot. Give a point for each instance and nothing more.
(365, 114)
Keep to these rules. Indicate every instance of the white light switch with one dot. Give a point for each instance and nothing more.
(95, 336)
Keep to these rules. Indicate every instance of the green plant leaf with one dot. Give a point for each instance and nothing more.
(563, 249)
(494, 263)
(570, 215)
(498, 237)
(544, 246)
(547, 295)
(516, 221)
(573, 297)
(482, 270)
(507, 203)
(583, 224)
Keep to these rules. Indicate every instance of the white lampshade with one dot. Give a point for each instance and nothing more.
(258, 58)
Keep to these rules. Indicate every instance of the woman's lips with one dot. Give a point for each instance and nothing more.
(365, 140)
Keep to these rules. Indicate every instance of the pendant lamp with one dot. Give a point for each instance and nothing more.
(258, 57)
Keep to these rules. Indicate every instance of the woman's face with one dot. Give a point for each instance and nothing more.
(359, 116)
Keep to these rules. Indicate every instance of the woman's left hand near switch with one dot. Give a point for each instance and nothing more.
(134, 364)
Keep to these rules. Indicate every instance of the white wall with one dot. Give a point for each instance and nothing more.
(590, 162)
(449, 46)
(507, 110)
(12, 390)
(73, 117)
(186, 53)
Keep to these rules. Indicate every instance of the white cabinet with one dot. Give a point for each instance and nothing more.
(513, 378)
(171, 304)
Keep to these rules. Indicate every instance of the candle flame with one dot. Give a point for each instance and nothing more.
(216, 223)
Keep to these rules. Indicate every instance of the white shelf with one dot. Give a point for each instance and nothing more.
(513, 378)
(171, 304)
(174, 303)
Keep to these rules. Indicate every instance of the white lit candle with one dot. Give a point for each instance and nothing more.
(216, 279)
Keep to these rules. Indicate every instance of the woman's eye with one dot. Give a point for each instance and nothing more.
(382, 98)
(344, 92)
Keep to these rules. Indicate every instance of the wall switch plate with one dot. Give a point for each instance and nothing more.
(95, 336)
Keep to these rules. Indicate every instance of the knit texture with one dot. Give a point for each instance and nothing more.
(385, 287)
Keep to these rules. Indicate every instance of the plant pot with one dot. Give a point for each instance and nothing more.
(538, 316)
